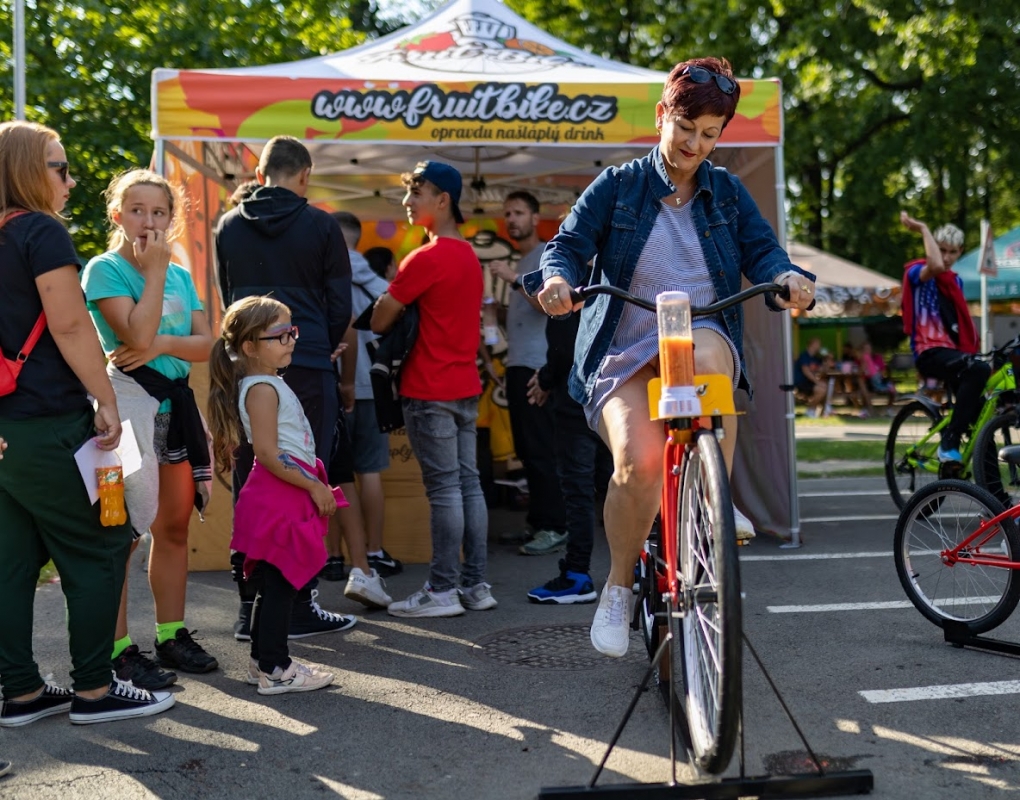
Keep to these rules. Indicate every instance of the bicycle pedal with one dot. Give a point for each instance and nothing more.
(950, 469)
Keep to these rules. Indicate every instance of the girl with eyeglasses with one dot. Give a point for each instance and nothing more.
(668, 221)
(280, 518)
(152, 327)
(45, 510)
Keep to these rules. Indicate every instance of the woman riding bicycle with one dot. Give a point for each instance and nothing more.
(668, 221)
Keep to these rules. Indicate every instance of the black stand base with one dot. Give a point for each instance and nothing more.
(831, 784)
(957, 635)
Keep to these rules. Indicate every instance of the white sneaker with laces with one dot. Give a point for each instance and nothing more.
(478, 597)
(744, 526)
(253, 672)
(367, 589)
(426, 603)
(296, 678)
(610, 630)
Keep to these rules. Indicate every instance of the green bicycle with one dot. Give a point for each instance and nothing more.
(911, 458)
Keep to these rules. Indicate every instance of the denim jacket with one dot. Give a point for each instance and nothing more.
(611, 222)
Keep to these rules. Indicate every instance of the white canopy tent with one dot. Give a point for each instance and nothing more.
(512, 107)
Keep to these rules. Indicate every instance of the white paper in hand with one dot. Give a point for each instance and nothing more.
(89, 457)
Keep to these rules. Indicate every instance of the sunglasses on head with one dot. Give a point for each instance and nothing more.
(61, 167)
(284, 338)
(701, 75)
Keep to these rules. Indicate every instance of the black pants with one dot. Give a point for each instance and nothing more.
(584, 464)
(966, 376)
(316, 389)
(533, 433)
(270, 618)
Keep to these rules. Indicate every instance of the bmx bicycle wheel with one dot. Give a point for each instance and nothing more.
(708, 629)
(1002, 480)
(910, 464)
(937, 518)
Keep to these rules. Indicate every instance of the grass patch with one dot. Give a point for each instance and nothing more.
(841, 449)
(48, 574)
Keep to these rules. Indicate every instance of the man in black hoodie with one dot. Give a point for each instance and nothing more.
(274, 242)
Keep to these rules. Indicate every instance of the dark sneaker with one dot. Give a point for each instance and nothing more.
(309, 619)
(334, 569)
(123, 701)
(53, 700)
(386, 565)
(184, 653)
(133, 665)
(568, 587)
(242, 627)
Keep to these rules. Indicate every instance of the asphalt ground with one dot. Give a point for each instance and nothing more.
(452, 708)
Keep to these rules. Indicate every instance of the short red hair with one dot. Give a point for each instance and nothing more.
(682, 96)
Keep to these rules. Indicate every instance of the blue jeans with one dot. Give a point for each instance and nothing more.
(443, 436)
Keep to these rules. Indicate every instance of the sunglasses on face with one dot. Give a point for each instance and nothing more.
(284, 338)
(701, 75)
(61, 167)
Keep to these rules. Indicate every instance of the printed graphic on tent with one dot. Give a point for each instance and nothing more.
(1005, 285)
(473, 72)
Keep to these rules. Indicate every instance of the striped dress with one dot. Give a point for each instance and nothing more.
(672, 259)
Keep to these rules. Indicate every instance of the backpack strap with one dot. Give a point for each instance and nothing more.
(40, 324)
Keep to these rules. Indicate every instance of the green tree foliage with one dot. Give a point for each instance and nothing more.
(89, 67)
(890, 104)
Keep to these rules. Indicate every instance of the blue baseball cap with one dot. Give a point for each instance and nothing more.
(446, 179)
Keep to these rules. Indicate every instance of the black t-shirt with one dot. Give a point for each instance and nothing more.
(805, 359)
(32, 245)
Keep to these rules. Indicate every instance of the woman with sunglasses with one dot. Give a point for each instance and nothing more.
(668, 221)
(45, 511)
(152, 326)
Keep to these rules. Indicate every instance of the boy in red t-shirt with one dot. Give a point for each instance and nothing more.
(439, 388)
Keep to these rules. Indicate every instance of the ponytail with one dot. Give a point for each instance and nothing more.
(224, 416)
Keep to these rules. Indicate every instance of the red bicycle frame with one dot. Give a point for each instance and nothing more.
(985, 531)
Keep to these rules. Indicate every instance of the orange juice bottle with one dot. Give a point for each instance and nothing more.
(676, 360)
(111, 495)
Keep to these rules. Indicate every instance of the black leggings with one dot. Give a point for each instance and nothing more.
(270, 618)
(967, 377)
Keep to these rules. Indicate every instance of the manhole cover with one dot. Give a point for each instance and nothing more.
(551, 647)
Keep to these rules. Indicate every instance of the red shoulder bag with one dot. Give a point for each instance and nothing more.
(9, 370)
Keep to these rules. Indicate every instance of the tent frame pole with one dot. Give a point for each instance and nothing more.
(791, 412)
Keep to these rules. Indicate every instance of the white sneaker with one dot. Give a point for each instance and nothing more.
(296, 678)
(744, 526)
(610, 630)
(426, 603)
(253, 672)
(367, 589)
(478, 597)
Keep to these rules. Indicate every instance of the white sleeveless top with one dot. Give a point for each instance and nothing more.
(293, 433)
(672, 259)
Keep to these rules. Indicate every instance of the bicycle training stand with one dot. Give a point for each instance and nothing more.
(957, 635)
(821, 784)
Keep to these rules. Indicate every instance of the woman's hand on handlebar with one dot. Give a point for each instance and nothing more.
(802, 290)
(555, 298)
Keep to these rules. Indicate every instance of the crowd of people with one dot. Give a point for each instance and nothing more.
(292, 415)
(860, 374)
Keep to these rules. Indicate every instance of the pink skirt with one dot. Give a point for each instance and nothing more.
(277, 522)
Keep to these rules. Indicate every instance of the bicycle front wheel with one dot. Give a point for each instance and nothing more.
(936, 519)
(1002, 480)
(911, 453)
(708, 660)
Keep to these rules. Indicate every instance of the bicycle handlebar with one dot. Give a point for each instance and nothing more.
(582, 293)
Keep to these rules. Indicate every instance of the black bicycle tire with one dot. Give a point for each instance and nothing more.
(711, 741)
(915, 508)
(649, 611)
(985, 458)
(889, 456)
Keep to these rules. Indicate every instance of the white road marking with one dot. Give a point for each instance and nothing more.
(844, 494)
(945, 692)
(819, 556)
(876, 606)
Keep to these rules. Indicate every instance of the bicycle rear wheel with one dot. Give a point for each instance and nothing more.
(1002, 480)
(911, 459)
(936, 519)
(706, 667)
